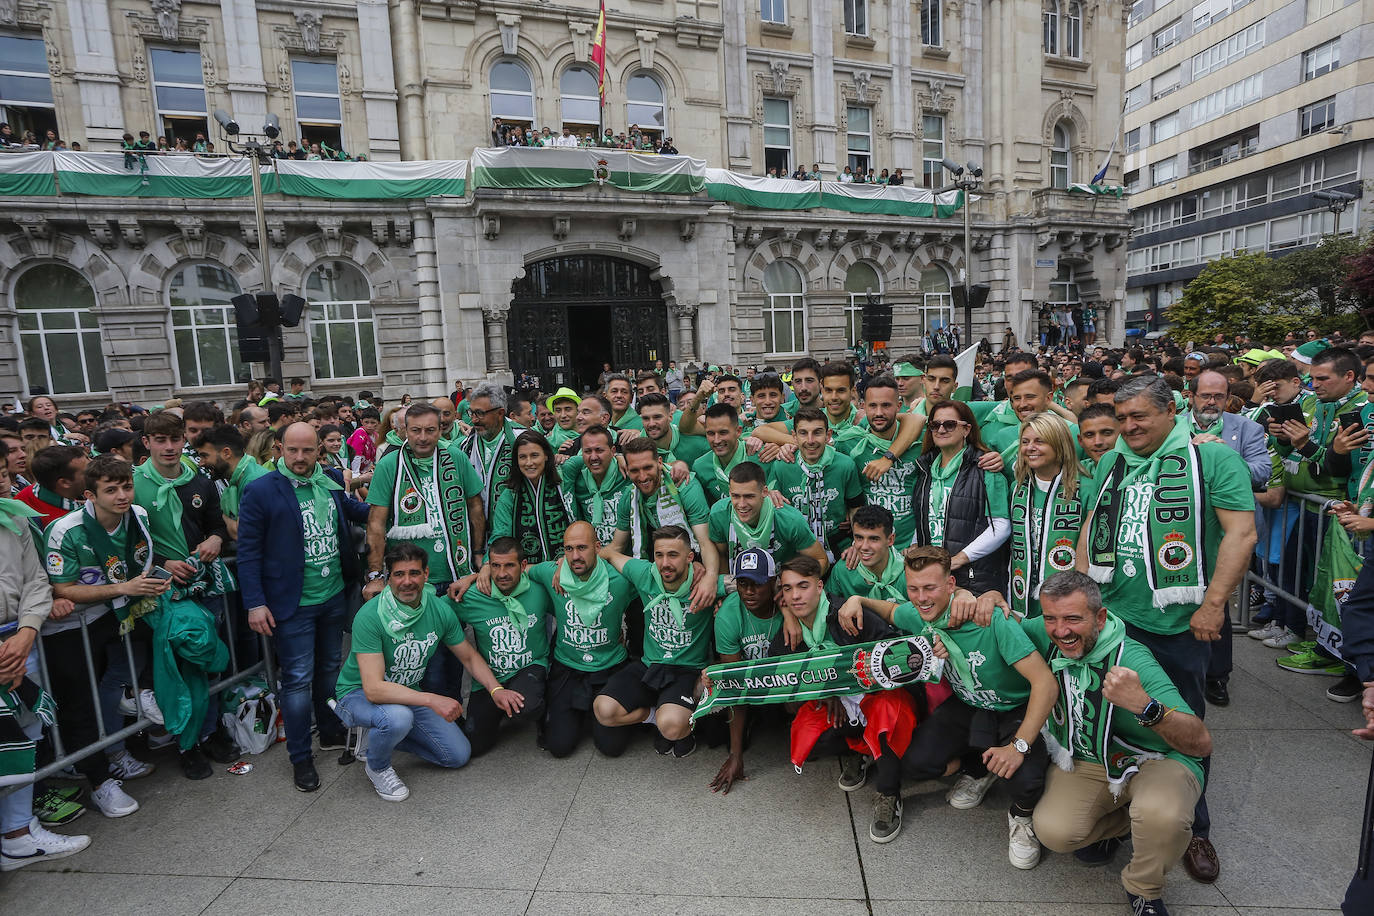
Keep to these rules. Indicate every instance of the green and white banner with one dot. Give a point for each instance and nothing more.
(1101, 190)
(880, 198)
(762, 193)
(117, 175)
(372, 180)
(517, 167)
(966, 364)
(27, 175)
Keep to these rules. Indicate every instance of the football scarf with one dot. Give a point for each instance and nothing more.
(723, 474)
(431, 504)
(540, 517)
(397, 618)
(18, 752)
(941, 485)
(609, 484)
(668, 506)
(122, 559)
(159, 496)
(14, 515)
(590, 596)
(674, 598)
(519, 616)
(759, 534)
(1041, 547)
(322, 488)
(891, 585)
(814, 504)
(491, 459)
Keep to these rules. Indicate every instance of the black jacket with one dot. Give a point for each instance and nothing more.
(966, 517)
(200, 514)
(1357, 625)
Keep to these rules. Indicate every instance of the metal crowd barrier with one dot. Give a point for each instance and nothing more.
(65, 757)
(1310, 511)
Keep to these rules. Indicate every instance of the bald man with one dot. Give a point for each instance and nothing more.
(448, 418)
(298, 516)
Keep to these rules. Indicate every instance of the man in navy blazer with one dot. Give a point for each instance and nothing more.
(296, 565)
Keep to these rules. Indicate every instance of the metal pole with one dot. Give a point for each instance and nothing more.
(968, 272)
(264, 253)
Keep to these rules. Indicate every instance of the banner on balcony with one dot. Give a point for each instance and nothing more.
(762, 193)
(27, 175)
(131, 175)
(1099, 189)
(372, 180)
(880, 198)
(517, 167)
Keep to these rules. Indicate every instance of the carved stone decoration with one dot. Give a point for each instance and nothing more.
(646, 39)
(823, 237)
(839, 238)
(982, 241)
(249, 228)
(276, 232)
(937, 99)
(192, 228)
(309, 22)
(861, 80)
(284, 76)
(402, 230)
(789, 235)
(1043, 239)
(132, 230)
(331, 227)
(139, 65)
(871, 235)
(581, 33)
(900, 239)
(628, 225)
(510, 33)
(168, 13)
(1113, 240)
(9, 12)
(102, 232)
(381, 230)
(687, 229)
(34, 226)
(491, 226)
(753, 236)
(1090, 240)
(779, 70)
(562, 225)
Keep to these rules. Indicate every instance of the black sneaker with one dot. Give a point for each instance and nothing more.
(1347, 690)
(662, 746)
(220, 748)
(683, 747)
(333, 741)
(1217, 693)
(887, 818)
(1142, 907)
(194, 765)
(1099, 853)
(853, 771)
(307, 779)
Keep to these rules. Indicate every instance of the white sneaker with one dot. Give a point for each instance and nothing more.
(969, 791)
(1269, 630)
(124, 765)
(128, 706)
(147, 702)
(1282, 639)
(112, 800)
(38, 845)
(1023, 849)
(388, 784)
(159, 738)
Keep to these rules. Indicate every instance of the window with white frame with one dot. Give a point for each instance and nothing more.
(856, 17)
(1049, 21)
(343, 340)
(1317, 117)
(1165, 83)
(512, 93)
(1131, 180)
(1164, 171)
(1167, 36)
(773, 11)
(1135, 55)
(1064, 288)
(1231, 48)
(1061, 172)
(645, 107)
(1164, 128)
(204, 335)
(59, 336)
(932, 23)
(937, 298)
(580, 100)
(1136, 96)
(1237, 95)
(1317, 9)
(1133, 140)
(179, 90)
(1321, 60)
(1073, 30)
(777, 136)
(25, 86)
(860, 281)
(784, 310)
(932, 149)
(860, 137)
(319, 115)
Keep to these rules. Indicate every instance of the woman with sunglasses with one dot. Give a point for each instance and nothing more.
(958, 505)
(530, 506)
(1046, 509)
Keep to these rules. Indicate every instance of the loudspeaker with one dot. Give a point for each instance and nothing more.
(269, 311)
(291, 308)
(245, 308)
(977, 295)
(253, 345)
(877, 322)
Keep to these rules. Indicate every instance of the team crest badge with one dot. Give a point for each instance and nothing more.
(410, 502)
(54, 563)
(1018, 583)
(197, 501)
(1129, 569)
(1061, 554)
(1176, 552)
(751, 561)
(115, 570)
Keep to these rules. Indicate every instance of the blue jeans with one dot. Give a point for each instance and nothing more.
(392, 727)
(310, 652)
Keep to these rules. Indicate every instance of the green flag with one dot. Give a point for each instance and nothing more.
(1337, 569)
(966, 362)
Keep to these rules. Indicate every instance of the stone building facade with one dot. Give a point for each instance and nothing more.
(127, 297)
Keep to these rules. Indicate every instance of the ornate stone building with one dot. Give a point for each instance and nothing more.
(127, 297)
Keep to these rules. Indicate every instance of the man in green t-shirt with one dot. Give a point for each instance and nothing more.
(661, 686)
(748, 518)
(509, 623)
(1126, 745)
(619, 394)
(728, 450)
(820, 481)
(653, 501)
(563, 405)
(877, 563)
(1032, 392)
(220, 453)
(888, 478)
(394, 637)
(1097, 433)
(656, 415)
(490, 447)
(589, 600)
(592, 479)
(1003, 693)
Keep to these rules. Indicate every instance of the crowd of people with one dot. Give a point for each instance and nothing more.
(30, 141)
(1068, 542)
(635, 140)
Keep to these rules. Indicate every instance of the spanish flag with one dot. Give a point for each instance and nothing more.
(599, 52)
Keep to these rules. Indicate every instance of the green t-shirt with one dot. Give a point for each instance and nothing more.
(321, 578)
(558, 435)
(379, 493)
(505, 646)
(791, 535)
(586, 647)
(630, 420)
(405, 654)
(1152, 677)
(690, 448)
(704, 470)
(844, 582)
(583, 498)
(739, 632)
(991, 651)
(1226, 480)
(694, 507)
(247, 471)
(666, 643)
(70, 556)
(893, 491)
(840, 487)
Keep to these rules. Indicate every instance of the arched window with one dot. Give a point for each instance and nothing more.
(645, 106)
(1050, 19)
(59, 336)
(580, 99)
(932, 17)
(784, 312)
(343, 339)
(1073, 30)
(1061, 174)
(204, 335)
(937, 300)
(859, 281)
(512, 92)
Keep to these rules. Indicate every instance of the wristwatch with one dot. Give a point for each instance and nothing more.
(1152, 714)
(374, 575)
(1021, 746)
(889, 456)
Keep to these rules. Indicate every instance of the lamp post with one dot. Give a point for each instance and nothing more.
(966, 180)
(1337, 202)
(260, 154)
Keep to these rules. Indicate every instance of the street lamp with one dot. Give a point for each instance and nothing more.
(1337, 202)
(966, 180)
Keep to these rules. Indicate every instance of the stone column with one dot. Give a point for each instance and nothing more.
(738, 117)
(247, 90)
(96, 74)
(379, 79)
(901, 126)
(405, 28)
(686, 315)
(823, 129)
(497, 349)
(429, 303)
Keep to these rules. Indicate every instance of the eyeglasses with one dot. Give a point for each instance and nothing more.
(945, 426)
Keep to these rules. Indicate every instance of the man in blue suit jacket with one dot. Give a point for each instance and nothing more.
(296, 562)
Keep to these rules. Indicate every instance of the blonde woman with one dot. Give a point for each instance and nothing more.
(1046, 509)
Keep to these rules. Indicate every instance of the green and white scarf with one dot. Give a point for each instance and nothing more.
(1170, 479)
(431, 505)
(1041, 547)
(53, 499)
(957, 659)
(232, 496)
(397, 618)
(1323, 426)
(759, 534)
(891, 585)
(666, 455)
(817, 635)
(941, 485)
(815, 503)
(723, 474)
(491, 459)
(609, 484)
(589, 596)
(123, 559)
(675, 598)
(165, 509)
(18, 752)
(670, 511)
(519, 616)
(15, 515)
(539, 516)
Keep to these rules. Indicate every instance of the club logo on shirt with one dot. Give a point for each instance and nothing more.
(196, 501)
(1062, 554)
(410, 502)
(54, 563)
(1176, 553)
(115, 570)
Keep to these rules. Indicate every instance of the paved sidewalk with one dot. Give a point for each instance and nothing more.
(520, 833)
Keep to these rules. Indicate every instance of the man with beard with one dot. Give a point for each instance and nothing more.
(619, 394)
(592, 410)
(1032, 392)
(594, 482)
(821, 482)
(728, 449)
(490, 446)
(748, 518)
(656, 416)
(220, 453)
(893, 487)
(806, 386)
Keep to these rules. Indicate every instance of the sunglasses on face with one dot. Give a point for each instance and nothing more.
(945, 426)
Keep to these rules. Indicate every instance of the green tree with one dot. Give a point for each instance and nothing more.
(1314, 279)
(1232, 295)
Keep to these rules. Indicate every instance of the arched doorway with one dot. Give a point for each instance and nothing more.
(572, 313)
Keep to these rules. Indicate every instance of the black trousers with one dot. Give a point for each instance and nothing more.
(887, 769)
(485, 717)
(568, 700)
(69, 683)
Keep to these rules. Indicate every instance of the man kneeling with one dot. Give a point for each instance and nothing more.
(394, 637)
